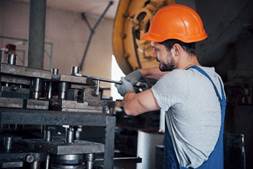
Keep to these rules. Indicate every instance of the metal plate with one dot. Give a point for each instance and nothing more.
(11, 102)
(73, 79)
(25, 71)
(37, 104)
(68, 105)
(60, 148)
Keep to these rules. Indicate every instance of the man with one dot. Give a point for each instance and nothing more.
(192, 96)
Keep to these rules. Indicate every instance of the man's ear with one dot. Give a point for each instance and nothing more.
(176, 49)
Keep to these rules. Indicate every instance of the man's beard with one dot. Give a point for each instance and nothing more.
(166, 67)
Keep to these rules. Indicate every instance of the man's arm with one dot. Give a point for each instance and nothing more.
(135, 104)
(153, 73)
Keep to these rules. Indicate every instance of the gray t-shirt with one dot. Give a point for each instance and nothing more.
(193, 113)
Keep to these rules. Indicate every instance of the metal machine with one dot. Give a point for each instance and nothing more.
(43, 115)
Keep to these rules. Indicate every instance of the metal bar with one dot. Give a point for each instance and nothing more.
(92, 31)
(102, 79)
(109, 142)
(44, 117)
(37, 33)
(103, 14)
(86, 50)
(135, 159)
(86, 20)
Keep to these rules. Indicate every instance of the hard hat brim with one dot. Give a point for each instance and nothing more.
(152, 37)
(149, 36)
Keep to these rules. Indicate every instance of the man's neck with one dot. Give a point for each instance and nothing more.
(188, 62)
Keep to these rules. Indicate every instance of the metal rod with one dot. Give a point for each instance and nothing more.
(89, 162)
(11, 59)
(70, 135)
(137, 159)
(102, 79)
(92, 31)
(97, 87)
(37, 83)
(47, 162)
(78, 132)
(47, 137)
(7, 143)
(63, 89)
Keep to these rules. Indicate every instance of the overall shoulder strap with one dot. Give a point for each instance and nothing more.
(200, 70)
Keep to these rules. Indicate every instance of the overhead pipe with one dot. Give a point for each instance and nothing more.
(37, 24)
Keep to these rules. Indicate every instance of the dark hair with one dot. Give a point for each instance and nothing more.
(188, 47)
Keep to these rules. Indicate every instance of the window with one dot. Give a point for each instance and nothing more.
(116, 74)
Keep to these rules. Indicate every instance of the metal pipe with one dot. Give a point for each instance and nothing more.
(92, 31)
(37, 33)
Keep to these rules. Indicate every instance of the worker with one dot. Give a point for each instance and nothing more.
(192, 95)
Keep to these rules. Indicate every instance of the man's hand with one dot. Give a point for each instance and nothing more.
(125, 87)
(134, 76)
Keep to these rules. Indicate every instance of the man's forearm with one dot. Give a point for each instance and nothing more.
(153, 73)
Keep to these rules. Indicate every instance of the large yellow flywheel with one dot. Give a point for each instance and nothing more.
(131, 21)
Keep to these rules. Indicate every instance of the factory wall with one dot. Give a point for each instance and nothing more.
(66, 35)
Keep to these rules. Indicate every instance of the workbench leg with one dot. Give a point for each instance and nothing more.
(109, 142)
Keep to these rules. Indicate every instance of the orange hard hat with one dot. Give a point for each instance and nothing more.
(176, 21)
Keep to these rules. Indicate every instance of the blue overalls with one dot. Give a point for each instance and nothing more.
(216, 158)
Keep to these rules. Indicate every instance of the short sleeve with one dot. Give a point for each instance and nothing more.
(171, 89)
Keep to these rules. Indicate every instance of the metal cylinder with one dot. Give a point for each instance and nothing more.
(7, 143)
(2, 54)
(55, 71)
(89, 161)
(47, 162)
(58, 166)
(63, 89)
(78, 132)
(49, 92)
(35, 165)
(47, 134)
(97, 87)
(68, 159)
(70, 135)
(76, 71)
(37, 25)
(36, 88)
(11, 59)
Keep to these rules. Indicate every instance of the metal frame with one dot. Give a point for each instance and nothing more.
(44, 117)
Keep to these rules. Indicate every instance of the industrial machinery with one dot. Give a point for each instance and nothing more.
(223, 49)
(43, 115)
